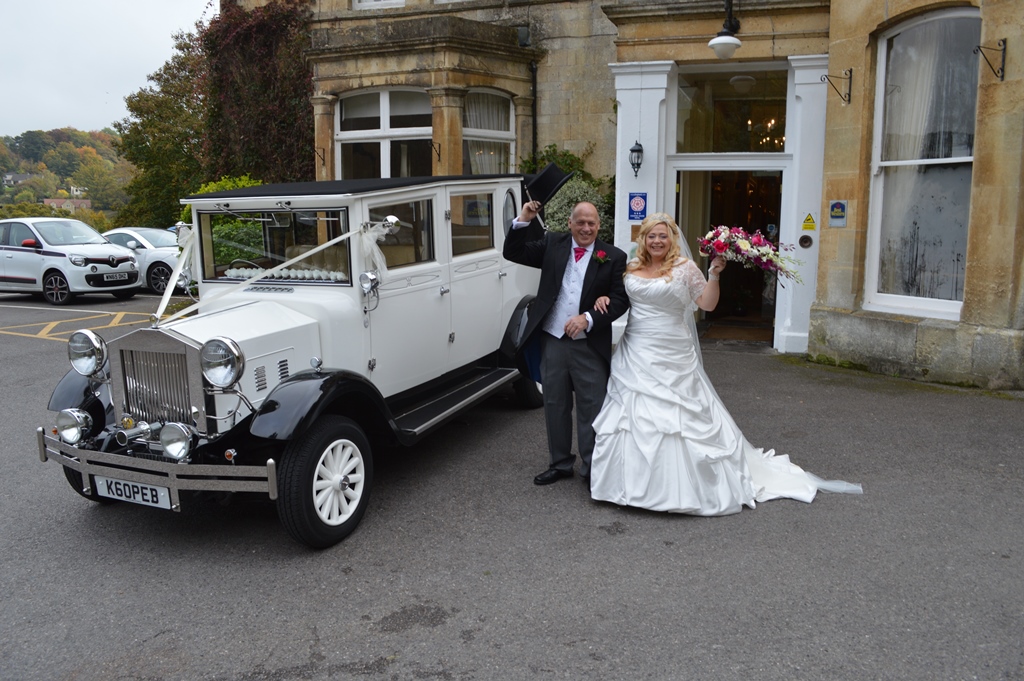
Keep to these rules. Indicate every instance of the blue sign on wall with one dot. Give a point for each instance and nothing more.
(637, 205)
(837, 214)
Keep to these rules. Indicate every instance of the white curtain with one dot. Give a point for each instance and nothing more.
(485, 111)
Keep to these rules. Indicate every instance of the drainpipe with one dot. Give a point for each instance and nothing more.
(533, 71)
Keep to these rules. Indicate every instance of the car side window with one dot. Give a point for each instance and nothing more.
(472, 223)
(510, 211)
(414, 240)
(20, 232)
(4, 229)
(119, 239)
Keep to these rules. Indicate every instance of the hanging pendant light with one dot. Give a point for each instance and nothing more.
(726, 43)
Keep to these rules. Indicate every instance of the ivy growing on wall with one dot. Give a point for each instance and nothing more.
(259, 120)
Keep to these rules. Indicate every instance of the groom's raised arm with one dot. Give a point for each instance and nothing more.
(518, 248)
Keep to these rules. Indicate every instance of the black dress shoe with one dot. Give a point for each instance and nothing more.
(585, 477)
(551, 475)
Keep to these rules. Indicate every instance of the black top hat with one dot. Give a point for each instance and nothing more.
(544, 185)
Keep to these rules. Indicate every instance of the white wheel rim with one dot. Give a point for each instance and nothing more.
(338, 482)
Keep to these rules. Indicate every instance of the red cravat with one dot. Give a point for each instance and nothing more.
(578, 251)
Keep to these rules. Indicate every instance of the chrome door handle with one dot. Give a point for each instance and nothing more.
(502, 274)
(445, 289)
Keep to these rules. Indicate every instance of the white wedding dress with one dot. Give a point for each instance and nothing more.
(665, 441)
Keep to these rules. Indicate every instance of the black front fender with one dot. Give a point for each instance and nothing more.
(297, 402)
(76, 391)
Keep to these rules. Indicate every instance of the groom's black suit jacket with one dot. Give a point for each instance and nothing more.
(551, 255)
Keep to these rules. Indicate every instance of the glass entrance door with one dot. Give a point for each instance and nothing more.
(736, 198)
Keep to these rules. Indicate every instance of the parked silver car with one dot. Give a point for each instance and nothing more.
(155, 249)
(60, 258)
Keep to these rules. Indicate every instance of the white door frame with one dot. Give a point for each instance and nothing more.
(647, 105)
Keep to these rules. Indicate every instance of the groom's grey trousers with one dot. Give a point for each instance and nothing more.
(567, 367)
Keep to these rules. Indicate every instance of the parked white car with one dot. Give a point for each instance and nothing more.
(60, 258)
(332, 317)
(155, 249)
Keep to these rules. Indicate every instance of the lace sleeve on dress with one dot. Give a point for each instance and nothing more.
(690, 283)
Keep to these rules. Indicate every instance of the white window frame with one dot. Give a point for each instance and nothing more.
(384, 135)
(873, 299)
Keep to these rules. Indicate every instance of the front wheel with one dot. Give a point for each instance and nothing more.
(56, 289)
(529, 393)
(159, 277)
(75, 480)
(325, 479)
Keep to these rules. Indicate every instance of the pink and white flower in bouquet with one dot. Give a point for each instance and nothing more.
(753, 251)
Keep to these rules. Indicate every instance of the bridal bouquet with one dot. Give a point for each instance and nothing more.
(751, 250)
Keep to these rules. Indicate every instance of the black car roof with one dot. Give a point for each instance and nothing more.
(342, 186)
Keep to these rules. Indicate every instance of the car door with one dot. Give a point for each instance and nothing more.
(22, 265)
(476, 274)
(410, 322)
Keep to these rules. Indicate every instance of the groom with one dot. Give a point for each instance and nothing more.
(576, 339)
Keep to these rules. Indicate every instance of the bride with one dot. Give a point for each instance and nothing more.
(665, 440)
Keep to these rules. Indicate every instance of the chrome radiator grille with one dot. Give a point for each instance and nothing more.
(156, 386)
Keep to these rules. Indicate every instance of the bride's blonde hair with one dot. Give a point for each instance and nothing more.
(673, 256)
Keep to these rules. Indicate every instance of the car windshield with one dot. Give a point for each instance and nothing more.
(240, 245)
(68, 233)
(160, 238)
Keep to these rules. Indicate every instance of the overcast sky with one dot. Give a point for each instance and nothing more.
(71, 63)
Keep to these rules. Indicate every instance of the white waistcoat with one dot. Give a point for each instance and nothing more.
(567, 304)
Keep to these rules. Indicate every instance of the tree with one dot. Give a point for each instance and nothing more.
(33, 145)
(258, 75)
(42, 185)
(94, 218)
(162, 137)
(32, 210)
(63, 160)
(7, 160)
(97, 176)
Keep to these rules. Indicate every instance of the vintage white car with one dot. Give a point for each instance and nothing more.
(331, 316)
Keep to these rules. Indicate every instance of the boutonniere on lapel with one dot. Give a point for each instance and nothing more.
(601, 256)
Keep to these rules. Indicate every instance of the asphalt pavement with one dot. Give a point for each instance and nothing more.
(463, 569)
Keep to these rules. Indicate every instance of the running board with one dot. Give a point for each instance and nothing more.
(423, 418)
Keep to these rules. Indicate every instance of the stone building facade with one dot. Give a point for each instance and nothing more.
(835, 127)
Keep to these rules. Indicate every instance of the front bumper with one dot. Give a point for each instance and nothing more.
(176, 477)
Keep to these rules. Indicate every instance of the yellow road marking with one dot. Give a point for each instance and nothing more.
(49, 330)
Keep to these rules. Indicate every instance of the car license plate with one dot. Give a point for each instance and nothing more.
(135, 492)
(116, 276)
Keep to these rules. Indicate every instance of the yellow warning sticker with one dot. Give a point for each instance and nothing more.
(809, 225)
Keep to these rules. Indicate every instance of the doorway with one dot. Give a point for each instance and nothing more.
(751, 199)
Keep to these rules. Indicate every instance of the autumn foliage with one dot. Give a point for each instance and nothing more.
(259, 120)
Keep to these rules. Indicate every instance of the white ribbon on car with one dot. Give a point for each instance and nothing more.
(370, 233)
(185, 240)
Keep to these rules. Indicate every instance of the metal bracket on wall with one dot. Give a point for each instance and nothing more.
(848, 77)
(1001, 49)
(437, 150)
(320, 155)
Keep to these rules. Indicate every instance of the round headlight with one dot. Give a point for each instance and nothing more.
(222, 362)
(176, 439)
(87, 352)
(72, 425)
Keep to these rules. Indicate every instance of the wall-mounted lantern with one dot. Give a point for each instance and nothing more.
(636, 157)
